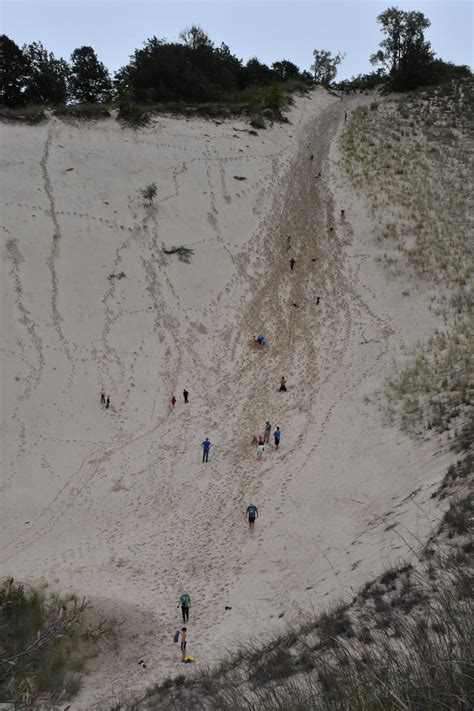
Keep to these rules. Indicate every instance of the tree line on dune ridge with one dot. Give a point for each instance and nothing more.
(194, 69)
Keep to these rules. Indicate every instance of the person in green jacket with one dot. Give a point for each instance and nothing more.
(185, 603)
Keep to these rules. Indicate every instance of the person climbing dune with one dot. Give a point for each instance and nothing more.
(251, 514)
(206, 445)
(268, 429)
(184, 603)
(184, 640)
(282, 385)
(277, 437)
(292, 263)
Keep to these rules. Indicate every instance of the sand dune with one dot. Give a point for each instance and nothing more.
(116, 504)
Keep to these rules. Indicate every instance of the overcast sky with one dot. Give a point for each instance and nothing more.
(268, 29)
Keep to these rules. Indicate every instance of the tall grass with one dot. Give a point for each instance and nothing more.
(45, 643)
(412, 158)
(404, 643)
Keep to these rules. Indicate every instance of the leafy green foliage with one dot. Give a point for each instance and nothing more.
(193, 71)
(86, 112)
(362, 82)
(24, 114)
(406, 56)
(45, 644)
(90, 81)
(285, 70)
(325, 66)
(48, 76)
(14, 75)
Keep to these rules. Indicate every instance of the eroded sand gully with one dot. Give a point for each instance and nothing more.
(117, 505)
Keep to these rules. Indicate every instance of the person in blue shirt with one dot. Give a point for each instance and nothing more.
(206, 445)
(277, 435)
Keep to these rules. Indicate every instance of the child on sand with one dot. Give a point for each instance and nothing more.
(184, 639)
(268, 429)
(173, 401)
(282, 385)
(260, 447)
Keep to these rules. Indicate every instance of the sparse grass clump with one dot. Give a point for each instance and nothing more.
(149, 193)
(133, 114)
(84, 112)
(26, 114)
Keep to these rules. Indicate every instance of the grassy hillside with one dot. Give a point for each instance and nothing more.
(413, 159)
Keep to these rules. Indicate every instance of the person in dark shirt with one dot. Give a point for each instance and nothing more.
(252, 514)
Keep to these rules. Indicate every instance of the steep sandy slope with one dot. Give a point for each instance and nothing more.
(117, 504)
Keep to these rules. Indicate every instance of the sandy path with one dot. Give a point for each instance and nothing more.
(124, 509)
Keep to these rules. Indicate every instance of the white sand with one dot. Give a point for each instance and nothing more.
(116, 504)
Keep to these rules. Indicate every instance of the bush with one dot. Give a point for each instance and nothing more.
(26, 114)
(258, 122)
(149, 193)
(86, 112)
(132, 113)
(45, 644)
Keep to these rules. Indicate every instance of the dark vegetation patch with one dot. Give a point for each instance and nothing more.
(25, 114)
(46, 642)
(85, 112)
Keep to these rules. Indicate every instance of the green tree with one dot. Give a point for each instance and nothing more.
(255, 73)
(195, 37)
(90, 80)
(14, 74)
(405, 54)
(48, 76)
(325, 66)
(285, 70)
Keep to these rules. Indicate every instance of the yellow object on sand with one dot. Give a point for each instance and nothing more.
(187, 659)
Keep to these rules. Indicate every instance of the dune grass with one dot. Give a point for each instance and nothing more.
(46, 642)
(412, 157)
(404, 642)
(84, 112)
(30, 114)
